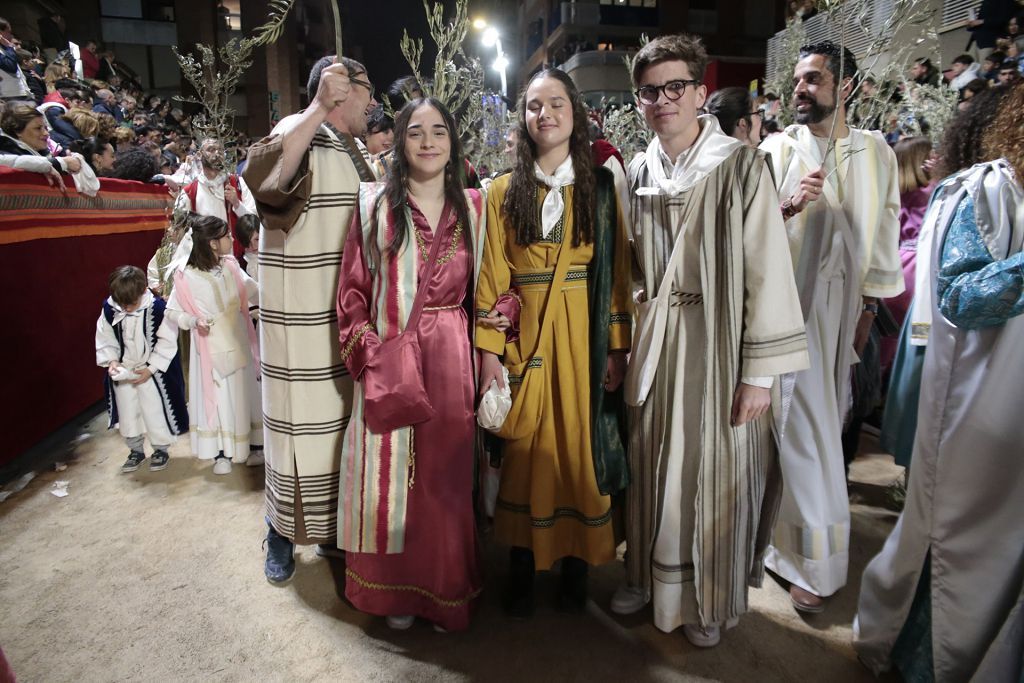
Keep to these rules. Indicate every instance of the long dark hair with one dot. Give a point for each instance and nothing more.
(396, 190)
(520, 206)
(205, 229)
(89, 147)
(962, 140)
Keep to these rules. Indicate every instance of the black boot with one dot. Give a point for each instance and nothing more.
(517, 600)
(572, 585)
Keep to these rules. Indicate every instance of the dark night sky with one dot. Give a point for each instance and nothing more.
(376, 27)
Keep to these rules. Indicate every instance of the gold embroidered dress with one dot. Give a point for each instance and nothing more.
(548, 500)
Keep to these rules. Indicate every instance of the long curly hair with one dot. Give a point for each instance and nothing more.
(520, 207)
(396, 191)
(962, 142)
(1005, 137)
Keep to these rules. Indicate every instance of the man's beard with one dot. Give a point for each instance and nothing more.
(215, 164)
(816, 113)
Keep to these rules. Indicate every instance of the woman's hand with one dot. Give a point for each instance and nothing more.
(490, 370)
(616, 371)
(496, 321)
(54, 178)
(72, 164)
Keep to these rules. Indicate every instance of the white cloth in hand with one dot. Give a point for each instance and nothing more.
(86, 181)
(495, 404)
(123, 374)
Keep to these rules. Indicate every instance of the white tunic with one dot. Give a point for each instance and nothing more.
(237, 424)
(140, 409)
(843, 246)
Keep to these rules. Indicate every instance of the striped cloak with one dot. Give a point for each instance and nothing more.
(753, 328)
(307, 392)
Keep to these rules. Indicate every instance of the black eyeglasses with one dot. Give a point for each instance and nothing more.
(756, 113)
(650, 94)
(365, 84)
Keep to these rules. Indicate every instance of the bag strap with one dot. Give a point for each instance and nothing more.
(428, 271)
(561, 270)
(665, 288)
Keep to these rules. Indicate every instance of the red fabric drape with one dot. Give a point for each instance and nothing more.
(56, 254)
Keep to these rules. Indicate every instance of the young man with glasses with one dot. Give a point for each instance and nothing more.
(845, 254)
(305, 178)
(705, 476)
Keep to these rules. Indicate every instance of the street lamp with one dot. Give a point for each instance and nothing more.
(492, 38)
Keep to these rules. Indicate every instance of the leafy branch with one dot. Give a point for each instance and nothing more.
(215, 77)
(458, 82)
(892, 36)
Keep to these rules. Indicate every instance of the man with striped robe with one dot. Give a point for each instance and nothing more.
(845, 255)
(305, 178)
(705, 475)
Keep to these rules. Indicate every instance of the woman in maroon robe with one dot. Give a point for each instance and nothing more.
(406, 512)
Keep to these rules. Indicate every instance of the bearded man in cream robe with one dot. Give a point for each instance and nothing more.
(845, 254)
(703, 460)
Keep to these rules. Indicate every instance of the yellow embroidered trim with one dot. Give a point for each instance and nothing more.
(449, 254)
(350, 346)
(442, 308)
(412, 589)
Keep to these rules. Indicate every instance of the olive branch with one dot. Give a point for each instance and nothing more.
(215, 76)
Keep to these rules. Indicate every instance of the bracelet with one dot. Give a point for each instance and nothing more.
(787, 210)
(873, 308)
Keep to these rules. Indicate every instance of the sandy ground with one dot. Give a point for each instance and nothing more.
(158, 576)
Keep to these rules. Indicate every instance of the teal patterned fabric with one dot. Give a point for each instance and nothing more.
(974, 290)
(912, 654)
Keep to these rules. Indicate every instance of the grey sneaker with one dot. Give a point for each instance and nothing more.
(135, 459)
(158, 461)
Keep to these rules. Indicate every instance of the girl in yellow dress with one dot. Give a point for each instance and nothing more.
(564, 456)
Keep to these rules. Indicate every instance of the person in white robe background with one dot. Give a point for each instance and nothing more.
(845, 251)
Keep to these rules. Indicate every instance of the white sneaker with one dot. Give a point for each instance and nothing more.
(707, 637)
(400, 623)
(222, 466)
(628, 599)
(702, 636)
(255, 459)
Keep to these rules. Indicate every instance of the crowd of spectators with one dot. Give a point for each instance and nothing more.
(54, 108)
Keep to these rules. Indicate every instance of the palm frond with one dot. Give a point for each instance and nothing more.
(277, 14)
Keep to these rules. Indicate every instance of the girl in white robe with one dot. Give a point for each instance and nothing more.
(212, 298)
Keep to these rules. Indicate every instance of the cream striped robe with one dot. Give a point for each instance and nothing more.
(307, 391)
(748, 317)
